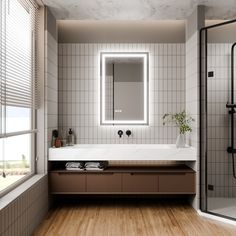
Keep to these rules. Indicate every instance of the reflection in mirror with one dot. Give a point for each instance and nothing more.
(124, 88)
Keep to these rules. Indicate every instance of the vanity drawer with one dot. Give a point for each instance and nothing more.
(67, 182)
(103, 182)
(140, 182)
(177, 183)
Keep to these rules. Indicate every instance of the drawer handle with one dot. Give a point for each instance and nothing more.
(155, 173)
(100, 173)
(144, 173)
(69, 173)
(172, 173)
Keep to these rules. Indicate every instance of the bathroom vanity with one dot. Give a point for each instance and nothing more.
(163, 179)
(178, 179)
(123, 100)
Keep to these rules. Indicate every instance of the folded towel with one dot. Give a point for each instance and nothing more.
(92, 164)
(74, 165)
(96, 165)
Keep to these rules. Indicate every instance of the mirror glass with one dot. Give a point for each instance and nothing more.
(124, 88)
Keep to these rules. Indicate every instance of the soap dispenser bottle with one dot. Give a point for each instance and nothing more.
(71, 138)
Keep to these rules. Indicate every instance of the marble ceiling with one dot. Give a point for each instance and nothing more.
(138, 9)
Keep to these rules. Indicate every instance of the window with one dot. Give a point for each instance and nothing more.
(18, 101)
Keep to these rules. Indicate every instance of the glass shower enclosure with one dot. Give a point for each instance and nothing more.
(218, 119)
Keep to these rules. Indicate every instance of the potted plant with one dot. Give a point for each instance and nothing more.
(181, 120)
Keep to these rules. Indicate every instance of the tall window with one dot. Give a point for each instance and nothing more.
(17, 91)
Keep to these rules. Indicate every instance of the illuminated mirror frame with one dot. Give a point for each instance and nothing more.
(103, 57)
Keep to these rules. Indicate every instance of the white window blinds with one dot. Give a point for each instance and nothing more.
(18, 82)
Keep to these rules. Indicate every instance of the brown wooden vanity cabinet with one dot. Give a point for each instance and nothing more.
(177, 183)
(139, 182)
(103, 182)
(67, 182)
(118, 180)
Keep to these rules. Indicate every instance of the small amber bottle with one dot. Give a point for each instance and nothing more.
(57, 143)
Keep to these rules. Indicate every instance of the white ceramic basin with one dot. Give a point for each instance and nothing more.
(123, 152)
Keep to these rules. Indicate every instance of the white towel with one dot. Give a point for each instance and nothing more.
(74, 165)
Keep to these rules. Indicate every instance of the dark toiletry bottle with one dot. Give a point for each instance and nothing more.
(54, 137)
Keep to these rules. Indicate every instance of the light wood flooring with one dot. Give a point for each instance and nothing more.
(117, 217)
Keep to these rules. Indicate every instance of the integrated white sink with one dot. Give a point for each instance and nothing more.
(124, 152)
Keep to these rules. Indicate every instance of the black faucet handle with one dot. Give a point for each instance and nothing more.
(128, 133)
(120, 133)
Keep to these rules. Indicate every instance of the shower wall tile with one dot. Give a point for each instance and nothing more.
(78, 92)
(219, 172)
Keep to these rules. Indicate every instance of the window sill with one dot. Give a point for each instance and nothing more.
(15, 193)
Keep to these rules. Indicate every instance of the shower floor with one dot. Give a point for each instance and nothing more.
(223, 206)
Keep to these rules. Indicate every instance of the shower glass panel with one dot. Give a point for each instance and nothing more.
(218, 119)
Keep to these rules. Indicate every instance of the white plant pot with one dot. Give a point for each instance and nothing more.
(180, 142)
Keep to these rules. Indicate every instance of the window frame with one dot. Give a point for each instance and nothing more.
(33, 114)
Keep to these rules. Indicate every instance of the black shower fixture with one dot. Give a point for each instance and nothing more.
(231, 149)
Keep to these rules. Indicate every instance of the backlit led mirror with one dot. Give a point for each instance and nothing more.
(124, 88)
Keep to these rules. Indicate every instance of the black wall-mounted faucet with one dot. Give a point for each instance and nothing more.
(128, 133)
(120, 133)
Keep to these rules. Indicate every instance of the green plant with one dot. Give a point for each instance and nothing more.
(181, 119)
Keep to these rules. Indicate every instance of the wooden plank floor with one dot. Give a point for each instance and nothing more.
(129, 218)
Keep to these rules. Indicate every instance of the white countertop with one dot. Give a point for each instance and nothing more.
(122, 152)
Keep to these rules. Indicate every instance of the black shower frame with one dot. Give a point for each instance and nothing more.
(200, 109)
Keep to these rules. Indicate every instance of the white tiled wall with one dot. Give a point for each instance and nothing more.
(78, 92)
(192, 86)
(218, 93)
(192, 100)
(51, 88)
